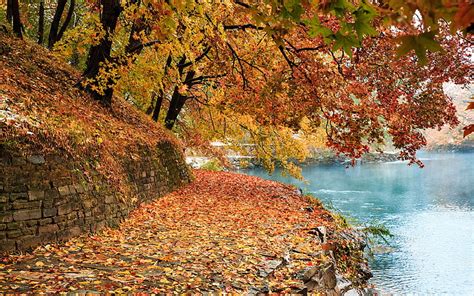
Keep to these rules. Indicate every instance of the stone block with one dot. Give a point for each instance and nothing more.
(64, 209)
(97, 226)
(70, 232)
(70, 223)
(40, 185)
(36, 159)
(29, 230)
(14, 233)
(30, 223)
(28, 242)
(18, 188)
(60, 201)
(35, 194)
(79, 222)
(14, 225)
(59, 219)
(50, 212)
(72, 189)
(72, 215)
(48, 203)
(18, 196)
(6, 217)
(50, 228)
(79, 188)
(45, 221)
(62, 225)
(51, 194)
(3, 227)
(3, 198)
(4, 207)
(63, 190)
(23, 215)
(19, 204)
(47, 237)
(7, 245)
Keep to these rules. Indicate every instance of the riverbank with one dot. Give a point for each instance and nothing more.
(317, 158)
(224, 232)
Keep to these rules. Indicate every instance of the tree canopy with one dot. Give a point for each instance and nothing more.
(284, 75)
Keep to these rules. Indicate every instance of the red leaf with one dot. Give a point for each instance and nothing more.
(470, 106)
(468, 130)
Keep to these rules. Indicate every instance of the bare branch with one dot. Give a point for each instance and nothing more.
(236, 56)
(242, 27)
(290, 62)
(200, 57)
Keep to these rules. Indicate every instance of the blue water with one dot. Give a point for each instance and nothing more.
(430, 211)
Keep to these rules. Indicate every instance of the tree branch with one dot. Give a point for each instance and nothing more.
(290, 62)
(242, 27)
(203, 78)
(243, 4)
(206, 51)
(235, 55)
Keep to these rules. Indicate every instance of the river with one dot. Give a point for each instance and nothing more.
(429, 211)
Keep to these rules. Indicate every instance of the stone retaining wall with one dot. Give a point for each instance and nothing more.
(45, 198)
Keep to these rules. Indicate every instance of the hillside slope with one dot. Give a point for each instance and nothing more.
(42, 110)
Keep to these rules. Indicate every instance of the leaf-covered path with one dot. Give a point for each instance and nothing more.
(224, 232)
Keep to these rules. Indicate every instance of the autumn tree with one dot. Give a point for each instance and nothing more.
(275, 72)
(41, 22)
(99, 54)
(56, 31)
(293, 70)
(13, 17)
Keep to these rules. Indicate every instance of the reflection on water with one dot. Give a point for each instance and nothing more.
(430, 211)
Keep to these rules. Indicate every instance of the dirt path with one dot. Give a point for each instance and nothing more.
(224, 232)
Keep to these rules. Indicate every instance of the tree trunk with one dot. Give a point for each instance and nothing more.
(100, 53)
(53, 32)
(159, 101)
(9, 11)
(177, 102)
(135, 45)
(70, 12)
(41, 22)
(15, 15)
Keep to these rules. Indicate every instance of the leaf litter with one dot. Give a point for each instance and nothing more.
(224, 232)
